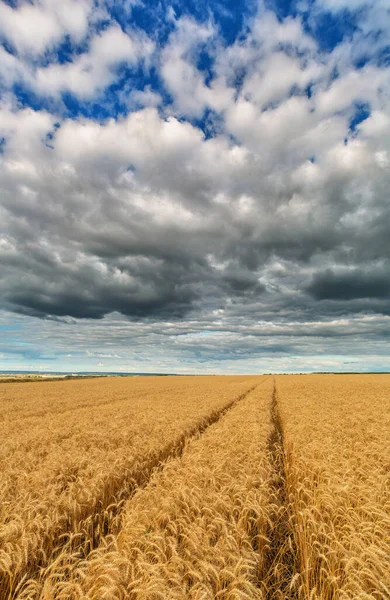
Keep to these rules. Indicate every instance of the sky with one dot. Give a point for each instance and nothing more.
(195, 186)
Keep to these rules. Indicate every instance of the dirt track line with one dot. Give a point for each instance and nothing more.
(156, 462)
(280, 560)
(82, 535)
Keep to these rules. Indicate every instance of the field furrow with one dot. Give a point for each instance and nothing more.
(66, 475)
(280, 560)
(197, 530)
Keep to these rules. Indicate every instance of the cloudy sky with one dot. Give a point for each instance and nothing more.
(195, 185)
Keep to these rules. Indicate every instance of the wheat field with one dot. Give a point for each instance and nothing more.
(264, 487)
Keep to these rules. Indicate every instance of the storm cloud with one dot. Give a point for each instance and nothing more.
(350, 284)
(235, 191)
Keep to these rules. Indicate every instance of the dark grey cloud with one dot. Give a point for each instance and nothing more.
(350, 284)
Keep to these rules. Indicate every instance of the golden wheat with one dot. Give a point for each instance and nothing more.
(71, 449)
(196, 487)
(337, 469)
(196, 531)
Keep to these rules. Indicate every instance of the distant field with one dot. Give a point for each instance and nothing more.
(26, 377)
(196, 487)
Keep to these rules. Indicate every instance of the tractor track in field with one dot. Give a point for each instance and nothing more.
(156, 462)
(280, 557)
(85, 534)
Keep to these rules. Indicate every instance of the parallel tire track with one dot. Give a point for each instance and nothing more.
(280, 554)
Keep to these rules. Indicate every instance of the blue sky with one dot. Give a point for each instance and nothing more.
(194, 186)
